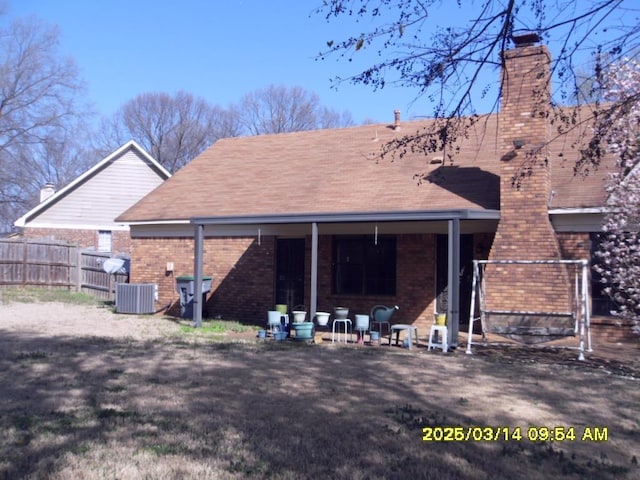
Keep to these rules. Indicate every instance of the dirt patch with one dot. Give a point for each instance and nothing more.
(94, 395)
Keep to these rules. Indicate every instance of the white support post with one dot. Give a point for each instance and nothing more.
(453, 301)
(586, 303)
(313, 297)
(472, 308)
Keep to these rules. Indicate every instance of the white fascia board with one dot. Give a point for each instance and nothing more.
(574, 211)
(146, 155)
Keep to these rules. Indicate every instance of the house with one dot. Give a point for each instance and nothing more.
(321, 218)
(84, 211)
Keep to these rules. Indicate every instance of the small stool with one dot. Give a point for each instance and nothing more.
(380, 323)
(442, 331)
(411, 330)
(347, 326)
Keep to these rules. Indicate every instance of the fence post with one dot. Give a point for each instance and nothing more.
(78, 269)
(25, 262)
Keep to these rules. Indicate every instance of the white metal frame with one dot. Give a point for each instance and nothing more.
(582, 304)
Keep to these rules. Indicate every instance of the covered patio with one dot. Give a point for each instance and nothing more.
(452, 223)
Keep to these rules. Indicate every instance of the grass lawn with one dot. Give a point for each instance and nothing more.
(183, 404)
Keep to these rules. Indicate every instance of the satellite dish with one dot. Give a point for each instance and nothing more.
(113, 265)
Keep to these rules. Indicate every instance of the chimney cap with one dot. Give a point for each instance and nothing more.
(525, 39)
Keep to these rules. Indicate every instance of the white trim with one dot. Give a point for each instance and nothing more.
(573, 211)
(21, 222)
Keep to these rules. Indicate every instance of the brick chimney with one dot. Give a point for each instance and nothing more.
(396, 119)
(525, 231)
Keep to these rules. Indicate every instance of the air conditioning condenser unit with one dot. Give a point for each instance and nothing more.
(136, 298)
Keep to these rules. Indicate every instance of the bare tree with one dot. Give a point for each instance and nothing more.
(39, 111)
(174, 129)
(279, 109)
(445, 61)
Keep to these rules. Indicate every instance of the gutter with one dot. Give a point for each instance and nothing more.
(348, 217)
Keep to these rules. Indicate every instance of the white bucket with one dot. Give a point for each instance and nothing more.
(362, 322)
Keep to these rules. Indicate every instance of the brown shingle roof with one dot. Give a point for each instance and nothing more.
(340, 170)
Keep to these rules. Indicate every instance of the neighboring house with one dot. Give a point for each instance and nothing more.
(84, 211)
(320, 218)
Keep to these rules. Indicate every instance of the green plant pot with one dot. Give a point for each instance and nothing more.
(304, 331)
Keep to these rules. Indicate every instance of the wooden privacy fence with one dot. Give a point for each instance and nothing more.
(55, 264)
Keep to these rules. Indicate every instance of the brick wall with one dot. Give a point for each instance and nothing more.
(120, 240)
(524, 231)
(574, 245)
(415, 274)
(244, 272)
(242, 287)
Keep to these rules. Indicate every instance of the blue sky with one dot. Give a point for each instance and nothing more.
(221, 50)
(210, 48)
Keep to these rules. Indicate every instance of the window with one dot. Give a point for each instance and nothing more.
(104, 241)
(363, 266)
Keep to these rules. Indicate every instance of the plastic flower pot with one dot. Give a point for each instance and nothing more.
(341, 312)
(322, 318)
(280, 336)
(299, 316)
(304, 330)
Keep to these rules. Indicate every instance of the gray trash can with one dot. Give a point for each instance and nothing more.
(185, 286)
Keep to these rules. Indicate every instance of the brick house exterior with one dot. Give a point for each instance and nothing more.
(328, 198)
(84, 238)
(83, 212)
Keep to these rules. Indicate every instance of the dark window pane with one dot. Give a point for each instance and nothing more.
(363, 267)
